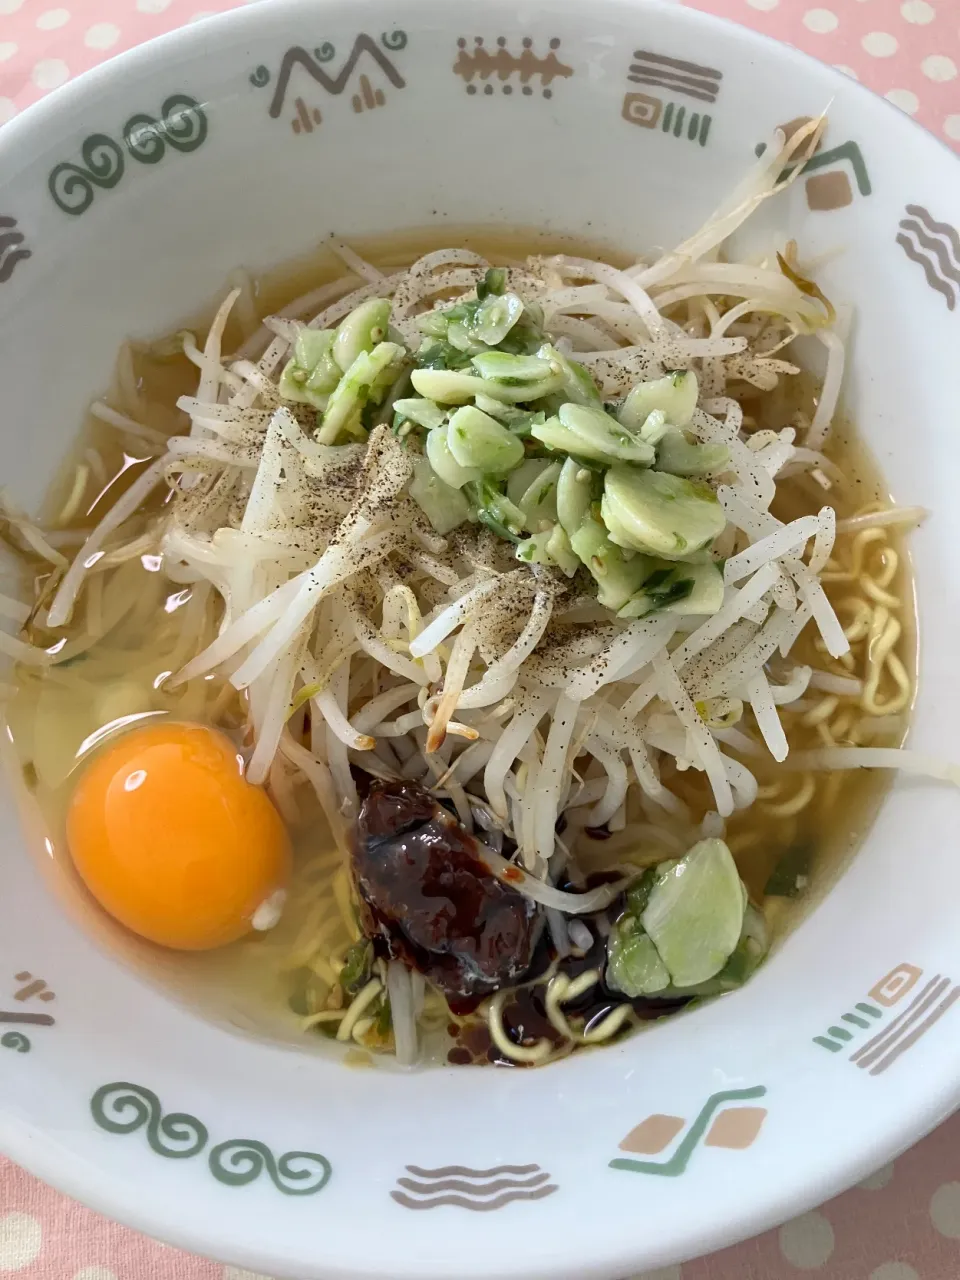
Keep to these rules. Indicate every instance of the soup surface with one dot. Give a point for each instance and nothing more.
(339, 956)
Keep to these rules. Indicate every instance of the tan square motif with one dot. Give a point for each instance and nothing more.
(642, 109)
(828, 191)
(736, 1128)
(652, 1135)
(794, 126)
(895, 985)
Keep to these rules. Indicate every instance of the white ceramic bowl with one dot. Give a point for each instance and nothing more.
(768, 1100)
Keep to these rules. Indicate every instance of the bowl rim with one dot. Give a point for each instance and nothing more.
(35, 116)
(107, 1192)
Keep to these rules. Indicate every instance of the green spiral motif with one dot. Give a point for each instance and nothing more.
(260, 76)
(123, 1108)
(394, 40)
(184, 122)
(16, 1041)
(296, 1173)
(72, 185)
(144, 138)
(325, 52)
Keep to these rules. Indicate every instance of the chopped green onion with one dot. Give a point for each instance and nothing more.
(638, 895)
(578, 383)
(478, 441)
(311, 346)
(441, 354)
(444, 506)
(495, 317)
(444, 462)
(362, 330)
(368, 378)
(603, 435)
(462, 337)
(678, 588)
(695, 913)
(561, 552)
(312, 374)
(746, 958)
(675, 395)
(633, 962)
(655, 427)
(495, 510)
(513, 371)
(677, 455)
(659, 513)
(532, 488)
(662, 589)
(550, 547)
(447, 386)
(423, 412)
(574, 495)
(357, 967)
(433, 324)
(617, 576)
(494, 282)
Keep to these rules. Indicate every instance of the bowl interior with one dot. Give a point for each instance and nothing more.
(279, 125)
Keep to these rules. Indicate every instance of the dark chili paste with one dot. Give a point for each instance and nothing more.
(429, 900)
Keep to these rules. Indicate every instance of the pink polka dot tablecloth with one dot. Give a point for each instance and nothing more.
(903, 1223)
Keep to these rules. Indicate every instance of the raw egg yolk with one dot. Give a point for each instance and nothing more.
(173, 842)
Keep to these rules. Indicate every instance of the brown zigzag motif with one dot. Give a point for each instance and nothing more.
(929, 269)
(480, 62)
(936, 247)
(950, 234)
(299, 57)
(479, 1190)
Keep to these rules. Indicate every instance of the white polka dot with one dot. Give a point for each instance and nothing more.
(847, 71)
(96, 1273)
(204, 13)
(917, 11)
(102, 35)
(53, 18)
(951, 126)
(763, 5)
(807, 1242)
(945, 1210)
(820, 20)
(893, 1271)
(877, 1181)
(939, 67)
(7, 50)
(905, 99)
(7, 110)
(880, 44)
(20, 1238)
(50, 73)
(152, 6)
(10, 6)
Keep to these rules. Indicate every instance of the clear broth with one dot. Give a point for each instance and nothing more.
(55, 723)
